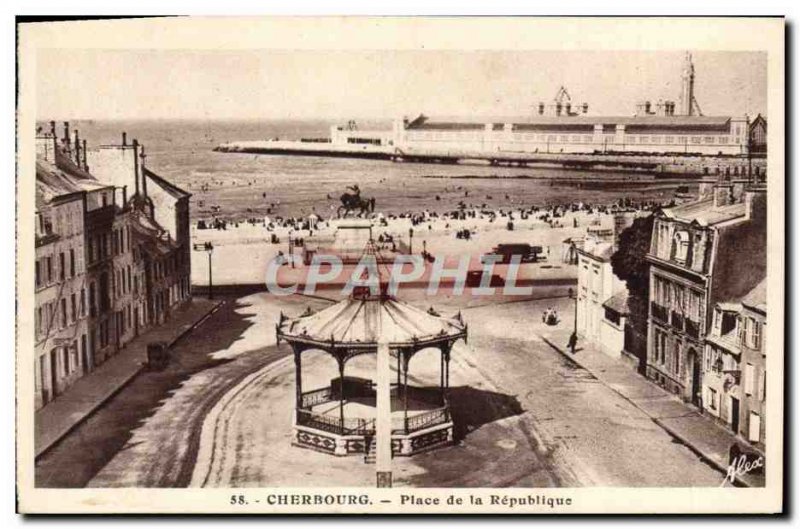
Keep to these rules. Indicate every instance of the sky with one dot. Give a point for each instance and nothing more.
(270, 84)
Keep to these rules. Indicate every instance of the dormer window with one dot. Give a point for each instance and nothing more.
(680, 246)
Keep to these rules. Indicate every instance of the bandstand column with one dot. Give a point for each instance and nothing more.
(441, 373)
(298, 378)
(447, 369)
(405, 390)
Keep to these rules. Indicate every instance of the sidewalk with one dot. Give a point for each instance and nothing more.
(88, 393)
(682, 421)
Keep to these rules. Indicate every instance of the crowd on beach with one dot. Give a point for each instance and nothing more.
(554, 216)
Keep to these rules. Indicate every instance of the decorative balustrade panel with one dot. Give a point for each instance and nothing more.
(426, 420)
(318, 396)
(326, 423)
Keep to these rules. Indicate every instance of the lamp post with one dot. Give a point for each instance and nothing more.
(291, 248)
(209, 248)
(410, 240)
(573, 339)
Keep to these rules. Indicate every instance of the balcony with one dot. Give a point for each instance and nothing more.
(658, 312)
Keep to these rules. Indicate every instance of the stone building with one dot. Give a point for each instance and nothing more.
(158, 227)
(106, 269)
(702, 253)
(721, 365)
(597, 284)
(754, 366)
(61, 329)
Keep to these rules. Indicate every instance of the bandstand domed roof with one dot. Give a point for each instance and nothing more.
(357, 321)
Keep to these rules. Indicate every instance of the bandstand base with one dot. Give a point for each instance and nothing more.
(403, 444)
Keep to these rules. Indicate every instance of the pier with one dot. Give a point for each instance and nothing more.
(671, 164)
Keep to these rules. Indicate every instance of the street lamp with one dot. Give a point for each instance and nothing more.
(573, 339)
(291, 248)
(209, 248)
(410, 240)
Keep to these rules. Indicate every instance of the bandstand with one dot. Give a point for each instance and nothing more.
(341, 419)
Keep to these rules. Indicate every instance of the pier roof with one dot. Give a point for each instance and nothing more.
(644, 121)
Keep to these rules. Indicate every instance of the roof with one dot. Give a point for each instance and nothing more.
(149, 233)
(53, 182)
(601, 250)
(423, 122)
(618, 302)
(705, 213)
(757, 298)
(728, 341)
(360, 321)
(166, 185)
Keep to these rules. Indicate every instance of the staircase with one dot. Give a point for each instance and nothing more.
(370, 451)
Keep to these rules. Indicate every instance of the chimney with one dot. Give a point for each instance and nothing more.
(85, 160)
(755, 199)
(77, 148)
(706, 188)
(723, 194)
(135, 163)
(142, 155)
(66, 135)
(125, 139)
(124, 196)
(738, 189)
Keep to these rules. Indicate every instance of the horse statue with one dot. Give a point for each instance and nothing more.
(353, 202)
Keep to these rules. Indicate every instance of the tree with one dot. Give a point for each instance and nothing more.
(629, 264)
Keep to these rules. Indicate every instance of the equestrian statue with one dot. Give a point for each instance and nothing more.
(355, 203)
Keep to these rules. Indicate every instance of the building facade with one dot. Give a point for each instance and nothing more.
(61, 329)
(106, 269)
(752, 421)
(702, 253)
(597, 284)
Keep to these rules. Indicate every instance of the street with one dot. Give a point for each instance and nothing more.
(221, 415)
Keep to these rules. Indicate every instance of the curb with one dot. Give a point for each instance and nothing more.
(46, 448)
(673, 433)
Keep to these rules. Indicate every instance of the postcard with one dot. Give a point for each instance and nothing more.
(400, 265)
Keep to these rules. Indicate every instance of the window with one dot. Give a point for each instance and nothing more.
(73, 306)
(680, 246)
(756, 343)
(754, 431)
(49, 267)
(676, 358)
(83, 302)
(749, 379)
(63, 312)
(62, 266)
(72, 262)
(712, 399)
(38, 276)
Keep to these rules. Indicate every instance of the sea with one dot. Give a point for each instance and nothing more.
(238, 186)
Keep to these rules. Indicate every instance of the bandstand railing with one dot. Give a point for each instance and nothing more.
(317, 396)
(333, 424)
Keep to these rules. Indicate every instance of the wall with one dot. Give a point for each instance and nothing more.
(115, 165)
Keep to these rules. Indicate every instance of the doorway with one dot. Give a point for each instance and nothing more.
(735, 415)
(54, 373)
(694, 363)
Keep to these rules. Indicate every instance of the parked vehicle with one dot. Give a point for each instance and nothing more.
(527, 252)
